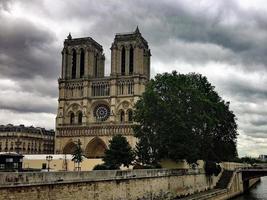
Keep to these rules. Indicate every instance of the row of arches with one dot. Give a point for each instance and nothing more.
(82, 63)
(94, 149)
(76, 119)
(74, 63)
(126, 116)
(123, 60)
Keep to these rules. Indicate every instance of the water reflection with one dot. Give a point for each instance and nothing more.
(259, 192)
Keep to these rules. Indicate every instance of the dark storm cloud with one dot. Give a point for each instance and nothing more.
(4, 4)
(26, 50)
(259, 122)
(201, 34)
(244, 90)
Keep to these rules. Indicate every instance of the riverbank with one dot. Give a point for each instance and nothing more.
(258, 192)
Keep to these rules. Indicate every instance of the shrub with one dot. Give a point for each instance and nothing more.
(212, 168)
(100, 167)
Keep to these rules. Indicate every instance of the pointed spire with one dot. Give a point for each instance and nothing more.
(69, 37)
(137, 30)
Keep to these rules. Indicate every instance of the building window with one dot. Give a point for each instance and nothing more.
(15, 165)
(9, 160)
(73, 69)
(123, 61)
(80, 118)
(96, 60)
(82, 63)
(131, 59)
(125, 87)
(2, 166)
(101, 112)
(100, 89)
(130, 116)
(122, 116)
(72, 118)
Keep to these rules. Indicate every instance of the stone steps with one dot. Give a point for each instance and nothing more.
(224, 180)
(204, 195)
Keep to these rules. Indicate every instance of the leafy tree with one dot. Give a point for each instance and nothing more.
(212, 168)
(119, 153)
(182, 117)
(77, 155)
(250, 160)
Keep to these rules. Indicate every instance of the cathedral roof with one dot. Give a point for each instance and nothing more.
(130, 36)
(79, 41)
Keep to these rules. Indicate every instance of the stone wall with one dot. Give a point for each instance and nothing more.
(104, 185)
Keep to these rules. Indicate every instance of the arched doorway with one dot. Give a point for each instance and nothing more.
(69, 148)
(95, 148)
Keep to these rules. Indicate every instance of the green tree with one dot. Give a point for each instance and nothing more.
(77, 155)
(119, 153)
(182, 117)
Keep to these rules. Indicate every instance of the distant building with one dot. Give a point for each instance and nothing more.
(11, 162)
(26, 140)
(263, 157)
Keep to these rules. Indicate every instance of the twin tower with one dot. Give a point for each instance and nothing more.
(93, 107)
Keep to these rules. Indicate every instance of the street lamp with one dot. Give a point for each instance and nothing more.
(49, 159)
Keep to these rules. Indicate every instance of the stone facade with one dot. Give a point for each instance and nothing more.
(93, 107)
(26, 140)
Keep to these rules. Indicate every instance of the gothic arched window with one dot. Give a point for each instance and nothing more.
(82, 63)
(72, 116)
(122, 61)
(122, 116)
(73, 68)
(130, 116)
(80, 118)
(96, 72)
(66, 62)
(131, 59)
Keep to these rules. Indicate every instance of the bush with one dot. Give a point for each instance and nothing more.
(100, 167)
(212, 168)
(156, 166)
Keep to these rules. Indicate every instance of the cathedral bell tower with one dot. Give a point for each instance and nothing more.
(130, 55)
(82, 58)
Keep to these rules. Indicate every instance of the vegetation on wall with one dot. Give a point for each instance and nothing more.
(182, 117)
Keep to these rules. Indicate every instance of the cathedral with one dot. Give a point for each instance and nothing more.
(93, 107)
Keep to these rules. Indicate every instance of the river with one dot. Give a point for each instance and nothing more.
(258, 192)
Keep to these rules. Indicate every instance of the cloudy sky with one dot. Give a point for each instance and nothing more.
(226, 40)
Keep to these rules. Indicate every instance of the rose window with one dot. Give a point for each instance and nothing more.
(102, 112)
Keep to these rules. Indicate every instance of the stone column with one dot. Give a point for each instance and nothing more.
(86, 62)
(91, 63)
(63, 68)
(113, 61)
(135, 63)
(118, 69)
(127, 60)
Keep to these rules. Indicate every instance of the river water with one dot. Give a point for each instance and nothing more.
(258, 192)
